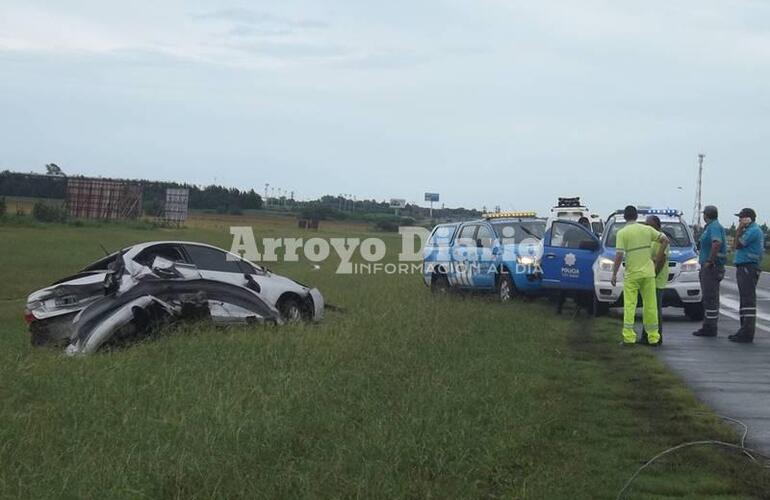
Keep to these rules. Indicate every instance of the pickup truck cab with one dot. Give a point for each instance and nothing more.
(574, 258)
(572, 209)
(498, 253)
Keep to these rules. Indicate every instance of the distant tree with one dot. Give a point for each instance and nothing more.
(3, 208)
(54, 169)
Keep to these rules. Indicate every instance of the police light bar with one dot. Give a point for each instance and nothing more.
(507, 215)
(569, 202)
(671, 212)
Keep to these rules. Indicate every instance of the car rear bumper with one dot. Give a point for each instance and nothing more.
(55, 331)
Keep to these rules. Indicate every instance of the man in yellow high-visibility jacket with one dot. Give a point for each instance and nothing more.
(633, 243)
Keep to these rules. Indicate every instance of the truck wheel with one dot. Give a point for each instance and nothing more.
(694, 311)
(439, 284)
(600, 308)
(506, 289)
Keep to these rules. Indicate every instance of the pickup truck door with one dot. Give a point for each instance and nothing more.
(464, 256)
(569, 253)
(488, 249)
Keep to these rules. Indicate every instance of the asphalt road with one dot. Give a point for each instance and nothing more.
(733, 379)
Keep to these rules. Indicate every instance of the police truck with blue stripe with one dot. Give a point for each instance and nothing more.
(498, 253)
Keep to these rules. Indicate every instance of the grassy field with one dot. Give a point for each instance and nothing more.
(401, 395)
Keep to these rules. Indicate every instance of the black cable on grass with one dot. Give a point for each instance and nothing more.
(750, 453)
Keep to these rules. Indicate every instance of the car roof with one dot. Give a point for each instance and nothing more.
(134, 250)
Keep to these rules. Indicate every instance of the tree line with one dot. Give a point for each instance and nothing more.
(213, 197)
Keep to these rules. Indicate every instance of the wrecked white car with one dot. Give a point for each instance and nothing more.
(133, 292)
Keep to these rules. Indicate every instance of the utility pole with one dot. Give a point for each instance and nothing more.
(267, 201)
(698, 208)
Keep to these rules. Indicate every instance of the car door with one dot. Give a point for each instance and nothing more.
(569, 253)
(484, 272)
(464, 256)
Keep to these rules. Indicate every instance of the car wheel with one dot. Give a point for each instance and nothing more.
(600, 308)
(506, 290)
(695, 311)
(439, 284)
(291, 310)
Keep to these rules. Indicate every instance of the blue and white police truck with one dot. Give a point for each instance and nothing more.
(574, 258)
(498, 253)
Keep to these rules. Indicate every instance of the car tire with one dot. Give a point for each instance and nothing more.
(291, 310)
(440, 284)
(695, 311)
(506, 289)
(599, 308)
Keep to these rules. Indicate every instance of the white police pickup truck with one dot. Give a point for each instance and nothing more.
(683, 287)
(575, 259)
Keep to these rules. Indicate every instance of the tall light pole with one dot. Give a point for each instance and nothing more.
(267, 200)
(698, 208)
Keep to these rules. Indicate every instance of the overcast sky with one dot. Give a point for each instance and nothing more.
(485, 101)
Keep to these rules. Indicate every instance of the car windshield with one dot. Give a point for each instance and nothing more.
(675, 231)
(520, 230)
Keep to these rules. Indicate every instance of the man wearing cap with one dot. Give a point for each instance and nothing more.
(749, 249)
(634, 242)
(712, 258)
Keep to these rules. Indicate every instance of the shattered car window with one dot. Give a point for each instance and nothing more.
(210, 259)
(169, 252)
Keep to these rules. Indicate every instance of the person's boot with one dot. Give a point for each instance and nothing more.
(705, 332)
(742, 337)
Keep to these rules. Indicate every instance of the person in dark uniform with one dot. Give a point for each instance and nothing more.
(712, 258)
(572, 239)
(749, 249)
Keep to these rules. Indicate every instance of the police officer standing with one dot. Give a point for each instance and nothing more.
(661, 276)
(634, 242)
(712, 258)
(749, 249)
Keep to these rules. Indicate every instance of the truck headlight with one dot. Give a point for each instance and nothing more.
(690, 266)
(606, 264)
(525, 260)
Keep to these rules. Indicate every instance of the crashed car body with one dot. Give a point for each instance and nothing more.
(142, 286)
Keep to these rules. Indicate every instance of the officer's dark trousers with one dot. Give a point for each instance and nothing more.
(659, 294)
(748, 276)
(710, 278)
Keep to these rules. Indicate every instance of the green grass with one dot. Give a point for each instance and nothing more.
(402, 395)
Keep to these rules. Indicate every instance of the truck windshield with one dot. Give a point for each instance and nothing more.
(676, 232)
(520, 230)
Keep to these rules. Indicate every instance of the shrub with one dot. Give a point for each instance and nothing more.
(49, 213)
(2, 206)
(389, 226)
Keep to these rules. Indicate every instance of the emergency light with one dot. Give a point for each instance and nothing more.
(670, 212)
(569, 202)
(503, 215)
